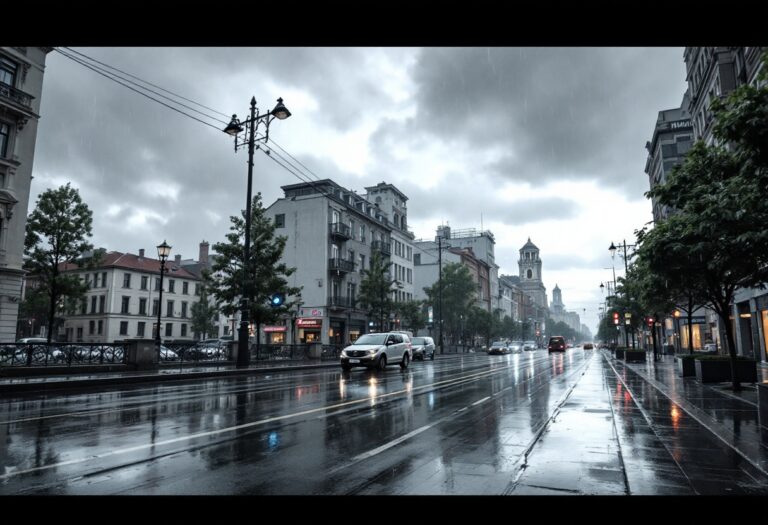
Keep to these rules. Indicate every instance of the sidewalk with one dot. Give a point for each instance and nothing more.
(731, 416)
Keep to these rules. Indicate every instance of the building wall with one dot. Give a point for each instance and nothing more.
(112, 316)
(20, 114)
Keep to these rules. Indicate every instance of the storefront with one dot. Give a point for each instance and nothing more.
(309, 329)
(275, 334)
(356, 329)
(698, 329)
(761, 304)
(336, 331)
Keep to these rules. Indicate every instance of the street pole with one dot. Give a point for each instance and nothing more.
(440, 285)
(163, 251)
(243, 351)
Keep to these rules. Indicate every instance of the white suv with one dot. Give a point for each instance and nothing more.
(378, 350)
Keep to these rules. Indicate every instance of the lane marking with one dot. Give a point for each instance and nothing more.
(481, 401)
(392, 443)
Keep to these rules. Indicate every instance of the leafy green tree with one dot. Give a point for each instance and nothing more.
(203, 316)
(264, 271)
(413, 315)
(376, 290)
(56, 236)
(459, 291)
(480, 322)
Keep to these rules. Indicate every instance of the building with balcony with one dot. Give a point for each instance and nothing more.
(21, 85)
(123, 299)
(331, 234)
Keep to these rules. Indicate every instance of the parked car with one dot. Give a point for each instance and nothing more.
(423, 347)
(556, 343)
(210, 348)
(529, 345)
(516, 347)
(377, 351)
(166, 354)
(499, 347)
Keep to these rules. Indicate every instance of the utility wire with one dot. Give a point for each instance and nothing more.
(146, 82)
(114, 77)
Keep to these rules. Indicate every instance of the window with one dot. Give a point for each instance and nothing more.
(140, 329)
(79, 333)
(93, 304)
(171, 285)
(126, 280)
(84, 306)
(5, 138)
(91, 327)
(169, 311)
(410, 275)
(362, 262)
(352, 229)
(184, 309)
(96, 281)
(280, 220)
(185, 288)
(184, 330)
(142, 306)
(155, 304)
(168, 329)
(530, 274)
(126, 303)
(197, 288)
(144, 280)
(88, 280)
(8, 72)
(123, 327)
(104, 279)
(157, 283)
(408, 252)
(102, 302)
(362, 234)
(417, 259)
(101, 327)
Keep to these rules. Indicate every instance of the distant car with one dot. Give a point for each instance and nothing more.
(516, 347)
(556, 344)
(210, 348)
(423, 347)
(710, 347)
(529, 345)
(378, 350)
(166, 354)
(589, 346)
(499, 347)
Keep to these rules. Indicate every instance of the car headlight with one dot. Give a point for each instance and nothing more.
(372, 351)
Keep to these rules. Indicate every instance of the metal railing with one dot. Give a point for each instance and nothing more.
(331, 352)
(61, 354)
(340, 230)
(279, 352)
(17, 96)
(340, 300)
(194, 353)
(342, 265)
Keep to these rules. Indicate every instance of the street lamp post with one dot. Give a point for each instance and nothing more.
(234, 128)
(163, 251)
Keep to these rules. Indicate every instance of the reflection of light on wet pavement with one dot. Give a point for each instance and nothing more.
(342, 389)
(273, 440)
(372, 390)
(675, 414)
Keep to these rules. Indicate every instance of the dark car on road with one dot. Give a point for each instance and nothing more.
(556, 344)
(423, 348)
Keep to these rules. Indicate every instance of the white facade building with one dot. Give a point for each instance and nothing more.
(123, 298)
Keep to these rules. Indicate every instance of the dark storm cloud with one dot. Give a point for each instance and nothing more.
(565, 113)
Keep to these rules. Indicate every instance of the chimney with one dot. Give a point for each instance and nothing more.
(203, 257)
(177, 259)
(141, 253)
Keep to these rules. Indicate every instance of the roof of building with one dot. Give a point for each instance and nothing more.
(529, 244)
(385, 186)
(130, 261)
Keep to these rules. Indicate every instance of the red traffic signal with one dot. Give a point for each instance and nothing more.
(650, 321)
(615, 317)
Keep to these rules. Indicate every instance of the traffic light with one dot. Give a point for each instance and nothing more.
(650, 321)
(276, 299)
(615, 317)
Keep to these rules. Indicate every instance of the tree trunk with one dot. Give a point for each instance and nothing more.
(52, 309)
(731, 347)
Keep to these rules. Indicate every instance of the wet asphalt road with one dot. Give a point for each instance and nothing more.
(531, 423)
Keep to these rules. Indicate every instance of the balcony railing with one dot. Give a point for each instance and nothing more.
(341, 265)
(19, 97)
(383, 247)
(339, 230)
(339, 301)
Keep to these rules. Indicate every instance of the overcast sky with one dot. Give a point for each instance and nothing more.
(546, 143)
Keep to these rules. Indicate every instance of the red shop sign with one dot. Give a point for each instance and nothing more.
(309, 323)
